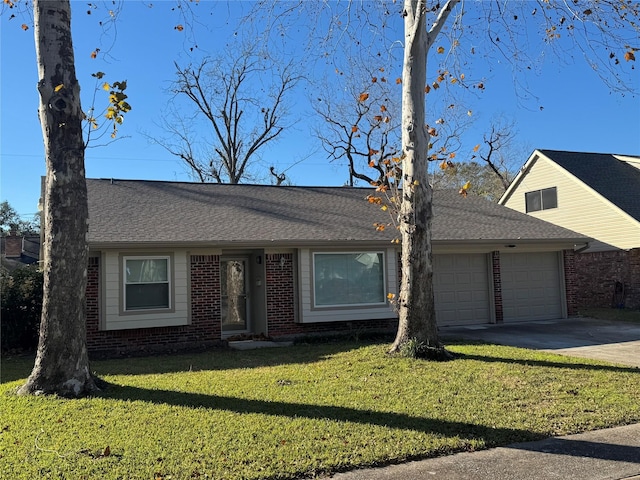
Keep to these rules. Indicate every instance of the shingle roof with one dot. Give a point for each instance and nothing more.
(132, 212)
(612, 178)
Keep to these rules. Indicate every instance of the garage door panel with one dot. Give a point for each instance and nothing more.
(463, 279)
(461, 289)
(531, 286)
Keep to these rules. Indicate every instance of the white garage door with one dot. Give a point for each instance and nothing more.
(461, 289)
(531, 286)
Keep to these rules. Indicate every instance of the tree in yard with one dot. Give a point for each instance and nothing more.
(241, 120)
(605, 32)
(612, 23)
(62, 364)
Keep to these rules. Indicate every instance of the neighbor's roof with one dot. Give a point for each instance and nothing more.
(609, 175)
(137, 212)
(614, 179)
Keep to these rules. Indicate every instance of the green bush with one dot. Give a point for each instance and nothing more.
(21, 306)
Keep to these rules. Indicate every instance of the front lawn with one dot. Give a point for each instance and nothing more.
(301, 411)
(613, 314)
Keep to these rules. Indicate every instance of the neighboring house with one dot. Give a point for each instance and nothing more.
(188, 263)
(597, 195)
(19, 250)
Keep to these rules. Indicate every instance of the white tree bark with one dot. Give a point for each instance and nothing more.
(62, 364)
(416, 308)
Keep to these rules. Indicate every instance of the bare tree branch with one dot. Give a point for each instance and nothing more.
(240, 120)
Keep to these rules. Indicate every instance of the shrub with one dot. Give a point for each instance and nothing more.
(21, 306)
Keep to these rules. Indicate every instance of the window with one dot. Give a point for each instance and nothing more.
(146, 283)
(348, 279)
(541, 199)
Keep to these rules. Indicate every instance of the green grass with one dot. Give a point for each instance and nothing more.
(302, 411)
(615, 314)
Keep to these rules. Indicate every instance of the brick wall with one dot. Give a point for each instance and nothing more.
(281, 305)
(597, 272)
(204, 329)
(570, 282)
(13, 245)
(497, 286)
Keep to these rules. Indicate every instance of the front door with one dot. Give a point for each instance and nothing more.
(234, 296)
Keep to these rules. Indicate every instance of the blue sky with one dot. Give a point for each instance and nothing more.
(579, 113)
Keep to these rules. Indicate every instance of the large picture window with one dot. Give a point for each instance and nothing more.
(348, 279)
(541, 199)
(146, 283)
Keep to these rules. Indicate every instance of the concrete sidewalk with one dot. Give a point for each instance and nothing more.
(610, 454)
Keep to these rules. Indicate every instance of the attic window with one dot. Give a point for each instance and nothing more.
(541, 199)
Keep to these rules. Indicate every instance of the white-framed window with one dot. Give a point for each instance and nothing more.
(541, 199)
(147, 283)
(348, 279)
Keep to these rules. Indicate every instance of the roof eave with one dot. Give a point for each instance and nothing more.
(231, 244)
(518, 178)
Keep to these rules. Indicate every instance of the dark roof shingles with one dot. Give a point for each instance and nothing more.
(131, 211)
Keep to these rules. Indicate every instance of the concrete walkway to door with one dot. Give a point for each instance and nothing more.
(616, 342)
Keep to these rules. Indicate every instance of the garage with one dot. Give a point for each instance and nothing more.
(531, 286)
(461, 289)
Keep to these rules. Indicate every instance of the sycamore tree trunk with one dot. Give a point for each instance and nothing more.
(416, 309)
(62, 364)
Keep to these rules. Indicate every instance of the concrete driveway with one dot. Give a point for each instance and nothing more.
(616, 342)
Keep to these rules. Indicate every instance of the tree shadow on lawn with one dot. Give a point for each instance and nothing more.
(490, 435)
(224, 359)
(217, 358)
(547, 363)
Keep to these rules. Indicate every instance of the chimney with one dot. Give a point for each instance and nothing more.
(13, 245)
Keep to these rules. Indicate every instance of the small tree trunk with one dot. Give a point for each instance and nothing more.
(62, 364)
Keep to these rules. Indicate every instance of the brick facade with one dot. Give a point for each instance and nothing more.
(202, 331)
(497, 286)
(597, 272)
(204, 328)
(570, 282)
